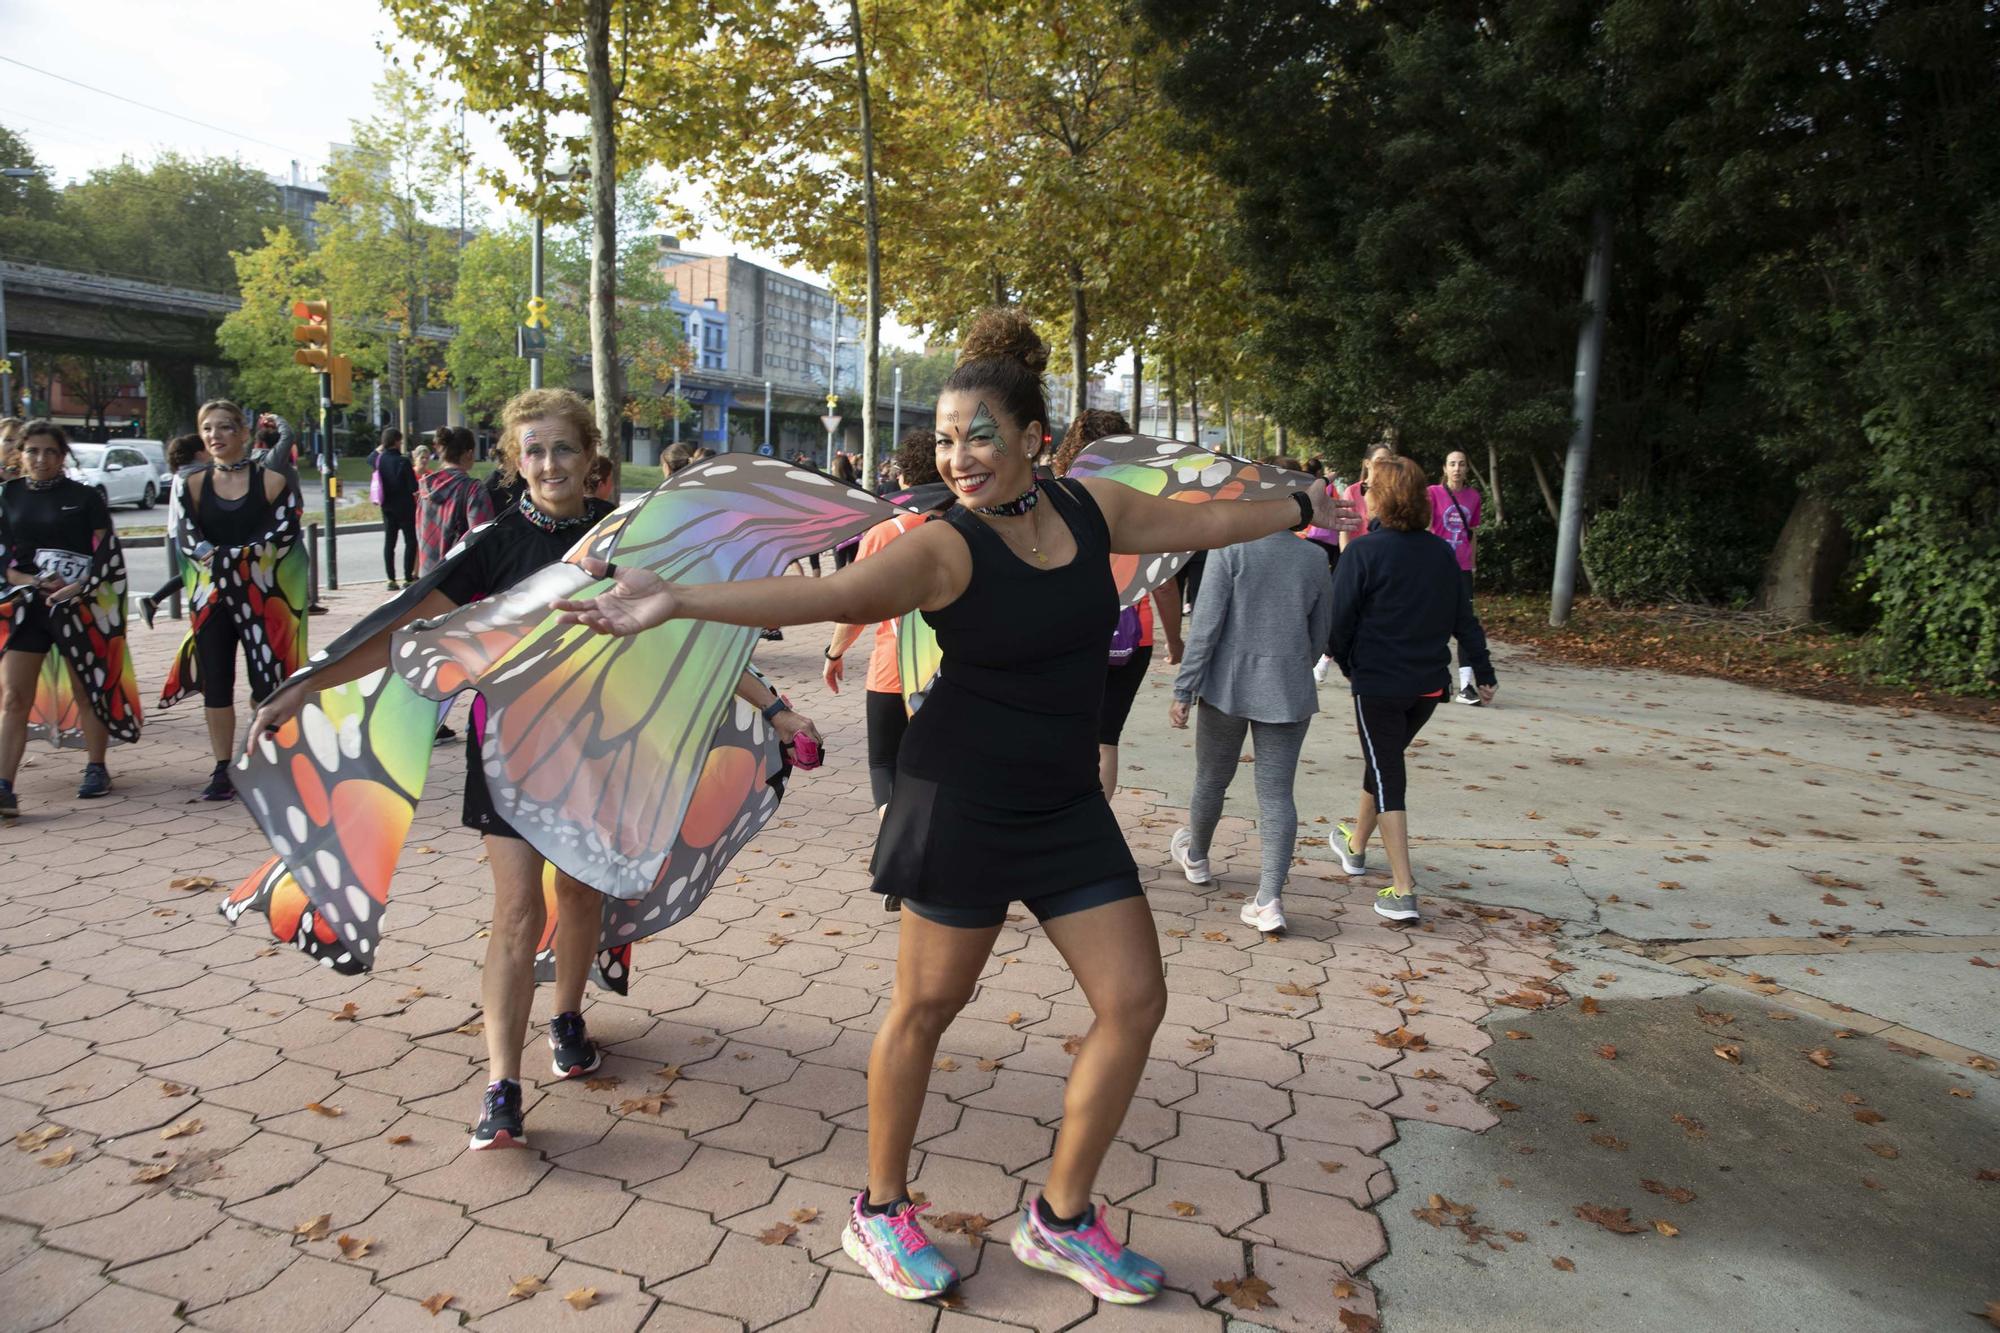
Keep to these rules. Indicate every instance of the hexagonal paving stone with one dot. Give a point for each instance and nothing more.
(654, 1240)
(759, 1284)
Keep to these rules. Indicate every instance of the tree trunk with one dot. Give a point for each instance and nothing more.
(1138, 387)
(999, 288)
(604, 376)
(1079, 346)
(1805, 567)
(1173, 398)
(872, 228)
(1194, 409)
(1493, 484)
(1542, 480)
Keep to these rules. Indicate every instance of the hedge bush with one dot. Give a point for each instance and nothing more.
(1518, 555)
(1675, 547)
(1936, 583)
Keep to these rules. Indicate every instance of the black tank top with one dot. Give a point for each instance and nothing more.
(1014, 712)
(233, 522)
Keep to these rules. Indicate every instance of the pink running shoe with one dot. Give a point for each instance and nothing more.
(893, 1249)
(1089, 1255)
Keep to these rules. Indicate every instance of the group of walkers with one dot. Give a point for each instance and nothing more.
(995, 792)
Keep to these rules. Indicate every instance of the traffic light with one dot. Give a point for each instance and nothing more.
(315, 335)
(340, 381)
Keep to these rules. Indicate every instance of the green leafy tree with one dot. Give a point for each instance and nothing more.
(175, 219)
(257, 338)
(33, 226)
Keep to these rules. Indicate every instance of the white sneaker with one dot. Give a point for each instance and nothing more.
(1343, 833)
(1270, 918)
(1319, 670)
(1179, 848)
(1468, 694)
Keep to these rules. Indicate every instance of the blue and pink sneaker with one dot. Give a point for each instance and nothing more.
(893, 1249)
(1090, 1255)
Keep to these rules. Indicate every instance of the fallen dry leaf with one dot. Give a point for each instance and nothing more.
(582, 1298)
(172, 1090)
(314, 1228)
(1218, 936)
(1201, 1043)
(1512, 1035)
(946, 1066)
(1868, 1116)
(988, 1066)
(1615, 1220)
(33, 1140)
(969, 1225)
(777, 1233)
(435, 1303)
(1733, 1054)
(1402, 1039)
(1343, 1290)
(1331, 1167)
(525, 1287)
(321, 1108)
(1821, 1057)
(1246, 1293)
(651, 1104)
(1589, 1005)
(1183, 1209)
(192, 883)
(804, 1215)
(398, 1140)
(1013, 1018)
(1293, 988)
(353, 1247)
(1073, 1044)
(1563, 1263)
(1610, 1141)
(1353, 1321)
(1677, 1193)
(603, 1082)
(60, 1157)
(1884, 1150)
(181, 1130)
(348, 1013)
(1665, 1228)
(1607, 1052)
(146, 1175)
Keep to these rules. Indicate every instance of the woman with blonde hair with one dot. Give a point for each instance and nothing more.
(550, 440)
(244, 566)
(10, 448)
(997, 796)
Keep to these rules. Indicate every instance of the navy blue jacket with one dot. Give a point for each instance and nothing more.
(1398, 600)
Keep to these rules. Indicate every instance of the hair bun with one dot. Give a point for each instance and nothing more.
(1003, 331)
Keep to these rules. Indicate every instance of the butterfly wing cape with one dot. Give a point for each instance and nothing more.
(602, 752)
(1171, 469)
(262, 588)
(90, 648)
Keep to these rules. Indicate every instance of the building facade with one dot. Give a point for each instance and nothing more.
(777, 327)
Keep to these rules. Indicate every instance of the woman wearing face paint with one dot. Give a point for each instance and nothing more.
(237, 536)
(549, 442)
(997, 796)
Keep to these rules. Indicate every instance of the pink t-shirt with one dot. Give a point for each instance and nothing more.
(1454, 517)
(1354, 496)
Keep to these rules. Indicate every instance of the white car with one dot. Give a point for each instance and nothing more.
(120, 472)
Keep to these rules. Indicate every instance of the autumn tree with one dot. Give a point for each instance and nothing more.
(256, 338)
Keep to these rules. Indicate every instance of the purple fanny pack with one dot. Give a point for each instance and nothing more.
(1125, 638)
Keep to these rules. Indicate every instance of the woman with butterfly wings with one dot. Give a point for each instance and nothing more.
(550, 440)
(997, 796)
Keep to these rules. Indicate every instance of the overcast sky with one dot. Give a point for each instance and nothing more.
(269, 82)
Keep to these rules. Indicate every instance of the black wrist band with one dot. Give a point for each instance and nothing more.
(1305, 511)
(832, 656)
(775, 707)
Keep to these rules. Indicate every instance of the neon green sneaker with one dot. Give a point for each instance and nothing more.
(1342, 843)
(1396, 904)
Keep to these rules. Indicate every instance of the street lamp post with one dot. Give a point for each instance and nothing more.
(677, 404)
(767, 418)
(895, 416)
(535, 294)
(6, 362)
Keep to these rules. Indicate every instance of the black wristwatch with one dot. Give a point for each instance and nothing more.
(832, 656)
(775, 707)
(1305, 511)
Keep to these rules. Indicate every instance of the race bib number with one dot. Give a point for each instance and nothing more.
(65, 567)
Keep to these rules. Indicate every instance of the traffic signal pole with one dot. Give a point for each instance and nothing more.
(329, 480)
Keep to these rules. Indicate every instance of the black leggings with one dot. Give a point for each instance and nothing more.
(166, 590)
(1387, 724)
(215, 645)
(887, 721)
(406, 525)
(843, 556)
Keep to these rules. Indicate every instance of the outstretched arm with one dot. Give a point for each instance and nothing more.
(1144, 524)
(922, 572)
(370, 655)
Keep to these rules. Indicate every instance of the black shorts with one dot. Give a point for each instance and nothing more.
(477, 812)
(1046, 907)
(33, 632)
(1121, 687)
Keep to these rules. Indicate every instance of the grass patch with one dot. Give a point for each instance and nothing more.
(1814, 660)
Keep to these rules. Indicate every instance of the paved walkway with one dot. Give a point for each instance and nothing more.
(212, 1129)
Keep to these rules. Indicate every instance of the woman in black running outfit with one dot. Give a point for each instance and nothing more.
(997, 795)
(57, 549)
(239, 525)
